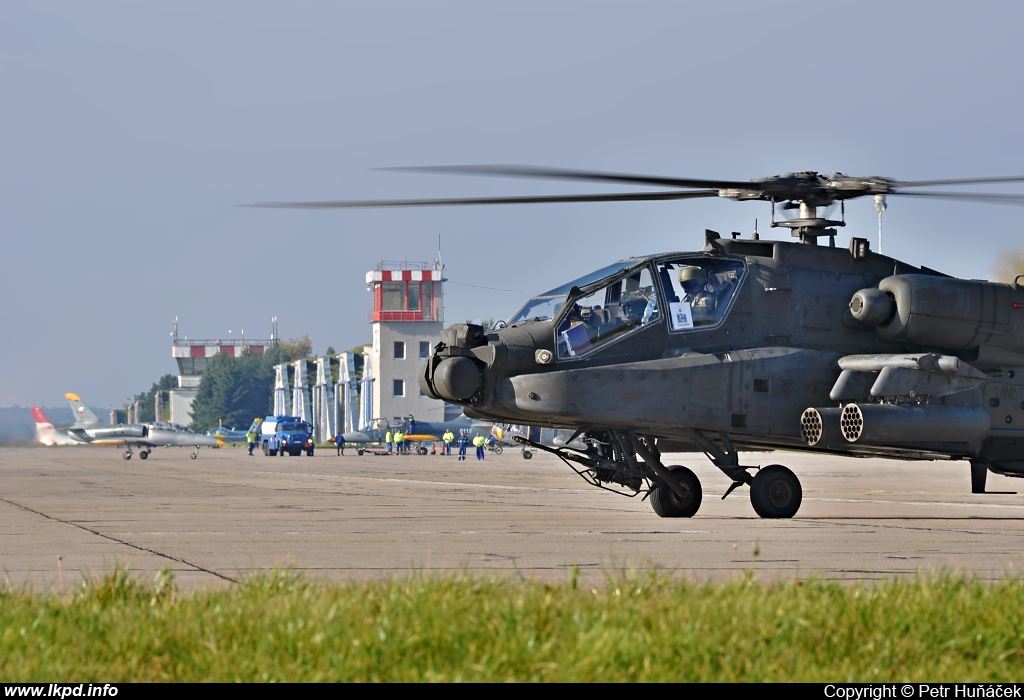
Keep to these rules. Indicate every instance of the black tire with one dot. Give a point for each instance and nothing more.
(194, 455)
(497, 449)
(775, 492)
(143, 454)
(668, 504)
(360, 452)
(527, 454)
(272, 453)
(266, 451)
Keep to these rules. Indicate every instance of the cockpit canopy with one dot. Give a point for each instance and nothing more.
(547, 305)
(691, 291)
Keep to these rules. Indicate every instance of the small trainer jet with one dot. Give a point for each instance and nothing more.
(88, 428)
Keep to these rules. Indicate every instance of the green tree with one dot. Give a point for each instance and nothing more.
(146, 400)
(236, 389)
(297, 348)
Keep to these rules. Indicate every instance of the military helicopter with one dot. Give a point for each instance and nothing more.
(748, 344)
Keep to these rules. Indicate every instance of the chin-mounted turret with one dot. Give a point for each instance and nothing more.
(454, 372)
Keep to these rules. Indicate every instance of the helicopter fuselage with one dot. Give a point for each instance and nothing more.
(923, 366)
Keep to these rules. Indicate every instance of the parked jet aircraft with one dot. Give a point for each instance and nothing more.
(47, 434)
(222, 433)
(424, 431)
(89, 429)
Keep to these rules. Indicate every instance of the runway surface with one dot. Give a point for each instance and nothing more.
(226, 515)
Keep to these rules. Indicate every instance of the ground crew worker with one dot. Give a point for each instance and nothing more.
(250, 438)
(339, 441)
(463, 443)
(448, 437)
(387, 439)
(399, 442)
(479, 442)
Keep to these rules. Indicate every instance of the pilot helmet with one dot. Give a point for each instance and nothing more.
(692, 279)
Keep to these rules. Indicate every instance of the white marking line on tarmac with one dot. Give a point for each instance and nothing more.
(918, 503)
(498, 487)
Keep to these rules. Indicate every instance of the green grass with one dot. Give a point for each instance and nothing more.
(280, 627)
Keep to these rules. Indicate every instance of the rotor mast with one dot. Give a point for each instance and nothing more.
(808, 226)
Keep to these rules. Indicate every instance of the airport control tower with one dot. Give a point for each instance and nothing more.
(192, 356)
(407, 318)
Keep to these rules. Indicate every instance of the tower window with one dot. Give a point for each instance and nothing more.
(399, 349)
(424, 349)
(399, 387)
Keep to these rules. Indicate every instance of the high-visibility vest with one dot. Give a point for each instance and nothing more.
(387, 436)
(448, 436)
(478, 441)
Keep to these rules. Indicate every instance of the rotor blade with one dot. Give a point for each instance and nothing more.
(1017, 199)
(550, 199)
(969, 181)
(544, 173)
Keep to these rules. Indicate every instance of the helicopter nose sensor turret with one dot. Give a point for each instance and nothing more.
(456, 378)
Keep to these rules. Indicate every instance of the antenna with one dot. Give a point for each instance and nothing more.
(880, 207)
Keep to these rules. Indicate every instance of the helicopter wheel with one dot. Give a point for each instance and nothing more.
(127, 455)
(143, 454)
(775, 492)
(669, 504)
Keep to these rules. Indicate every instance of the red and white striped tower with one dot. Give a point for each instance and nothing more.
(407, 318)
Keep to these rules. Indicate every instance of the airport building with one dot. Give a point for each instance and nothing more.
(192, 356)
(407, 318)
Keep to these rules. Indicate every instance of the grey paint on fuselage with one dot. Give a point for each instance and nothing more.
(88, 429)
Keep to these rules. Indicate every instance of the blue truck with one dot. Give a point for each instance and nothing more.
(280, 435)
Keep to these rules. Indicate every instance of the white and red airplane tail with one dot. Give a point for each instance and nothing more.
(46, 434)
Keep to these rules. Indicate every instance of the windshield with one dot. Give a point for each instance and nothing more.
(608, 312)
(547, 305)
(698, 291)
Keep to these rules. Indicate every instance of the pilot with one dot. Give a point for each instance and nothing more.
(694, 282)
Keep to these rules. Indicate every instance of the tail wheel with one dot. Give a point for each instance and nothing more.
(775, 492)
(669, 504)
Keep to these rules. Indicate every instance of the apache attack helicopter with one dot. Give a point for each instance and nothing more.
(748, 344)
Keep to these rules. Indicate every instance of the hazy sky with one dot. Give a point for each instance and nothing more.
(130, 131)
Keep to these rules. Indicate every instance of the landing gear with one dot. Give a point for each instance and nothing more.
(422, 451)
(527, 454)
(127, 452)
(127, 455)
(143, 454)
(195, 453)
(775, 492)
(669, 504)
